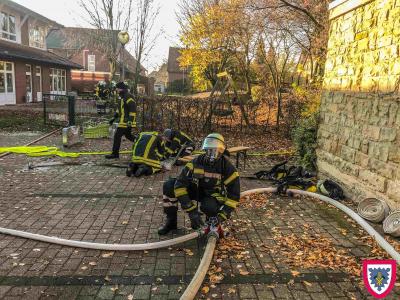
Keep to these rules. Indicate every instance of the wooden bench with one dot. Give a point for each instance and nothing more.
(239, 151)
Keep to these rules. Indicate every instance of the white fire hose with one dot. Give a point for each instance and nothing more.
(201, 272)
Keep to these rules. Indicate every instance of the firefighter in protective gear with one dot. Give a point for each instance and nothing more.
(175, 141)
(209, 179)
(125, 116)
(148, 151)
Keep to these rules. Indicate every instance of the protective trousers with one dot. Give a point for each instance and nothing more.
(127, 132)
(208, 205)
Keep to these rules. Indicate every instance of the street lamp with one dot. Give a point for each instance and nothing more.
(123, 38)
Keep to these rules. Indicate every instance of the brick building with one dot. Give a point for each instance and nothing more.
(175, 72)
(84, 46)
(359, 133)
(27, 69)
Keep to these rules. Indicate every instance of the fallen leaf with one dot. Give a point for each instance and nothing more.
(84, 268)
(307, 283)
(205, 290)
(92, 263)
(130, 297)
(231, 291)
(125, 222)
(107, 278)
(295, 273)
(214, 295)
(108, 254)
(244, 273)
(115, 288)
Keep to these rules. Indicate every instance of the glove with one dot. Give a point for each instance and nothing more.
(195, 219)
(223, 214)
(129, 124)
(111, 122)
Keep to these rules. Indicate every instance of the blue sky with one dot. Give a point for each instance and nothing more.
(68, 13)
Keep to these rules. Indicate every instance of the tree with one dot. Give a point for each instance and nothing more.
(278, 53)
(146, 15)
(108, 17)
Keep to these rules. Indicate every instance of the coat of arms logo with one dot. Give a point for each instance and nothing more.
(379, 276)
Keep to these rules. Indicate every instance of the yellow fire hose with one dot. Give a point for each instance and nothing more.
(38, 151)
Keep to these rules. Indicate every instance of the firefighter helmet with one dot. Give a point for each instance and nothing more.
(214, 146)
(168, 134)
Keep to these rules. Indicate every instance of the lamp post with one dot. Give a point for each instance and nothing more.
(123, 38)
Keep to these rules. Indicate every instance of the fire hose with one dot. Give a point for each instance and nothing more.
(201, 272)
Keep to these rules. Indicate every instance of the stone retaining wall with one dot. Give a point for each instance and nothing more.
(359, 134)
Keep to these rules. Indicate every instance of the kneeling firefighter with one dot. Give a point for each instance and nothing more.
(147, 153)
(210, 179)
(177, 142)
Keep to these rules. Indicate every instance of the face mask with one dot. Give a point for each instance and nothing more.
(212, 156)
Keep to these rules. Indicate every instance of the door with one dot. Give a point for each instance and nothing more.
(7, 83)
(38, 83)
(28, 76)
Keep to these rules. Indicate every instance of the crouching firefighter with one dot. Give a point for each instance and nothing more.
(177, 143)
(209, 180)
(147, 153)
(125, 115)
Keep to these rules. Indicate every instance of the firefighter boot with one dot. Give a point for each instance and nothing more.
(171, 221)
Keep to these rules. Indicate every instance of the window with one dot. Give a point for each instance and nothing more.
(36, 37)
(6, 77)
(92, 63)
(58, 81)
(7, 23)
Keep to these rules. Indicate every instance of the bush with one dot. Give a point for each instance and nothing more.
(304, 136)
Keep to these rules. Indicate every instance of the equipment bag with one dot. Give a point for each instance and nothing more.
(331, 189)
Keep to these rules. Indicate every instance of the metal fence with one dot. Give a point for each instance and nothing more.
(194, 116)
(67, 110)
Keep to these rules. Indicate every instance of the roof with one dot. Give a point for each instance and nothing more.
(160, 76)
(76, 38)
(25, 10)
(173, 63)
(12, 51)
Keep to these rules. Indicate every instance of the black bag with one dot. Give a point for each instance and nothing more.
(331, 189)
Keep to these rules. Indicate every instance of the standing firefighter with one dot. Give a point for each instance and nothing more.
(210, 179)
(175, 141)
(125, 116)
(148, 151)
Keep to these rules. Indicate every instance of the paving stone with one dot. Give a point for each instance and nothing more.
(282, 292)
(105, 292)
(332, 289)
(319, 296)
(142, 292)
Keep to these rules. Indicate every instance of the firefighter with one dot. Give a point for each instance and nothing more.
(175, 140)
(210, 179)
(147, 154)
(125, 115)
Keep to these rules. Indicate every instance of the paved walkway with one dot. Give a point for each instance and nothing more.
(101, 204)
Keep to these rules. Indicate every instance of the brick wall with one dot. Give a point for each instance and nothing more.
(359, 134)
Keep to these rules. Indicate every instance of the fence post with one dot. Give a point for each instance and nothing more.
(179, 113)
(71, 110)
(143, 113)
(44, 111)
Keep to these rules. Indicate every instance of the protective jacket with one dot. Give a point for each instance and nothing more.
(126, 112)
(220, 181)
(178, 139)
(148, 149)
